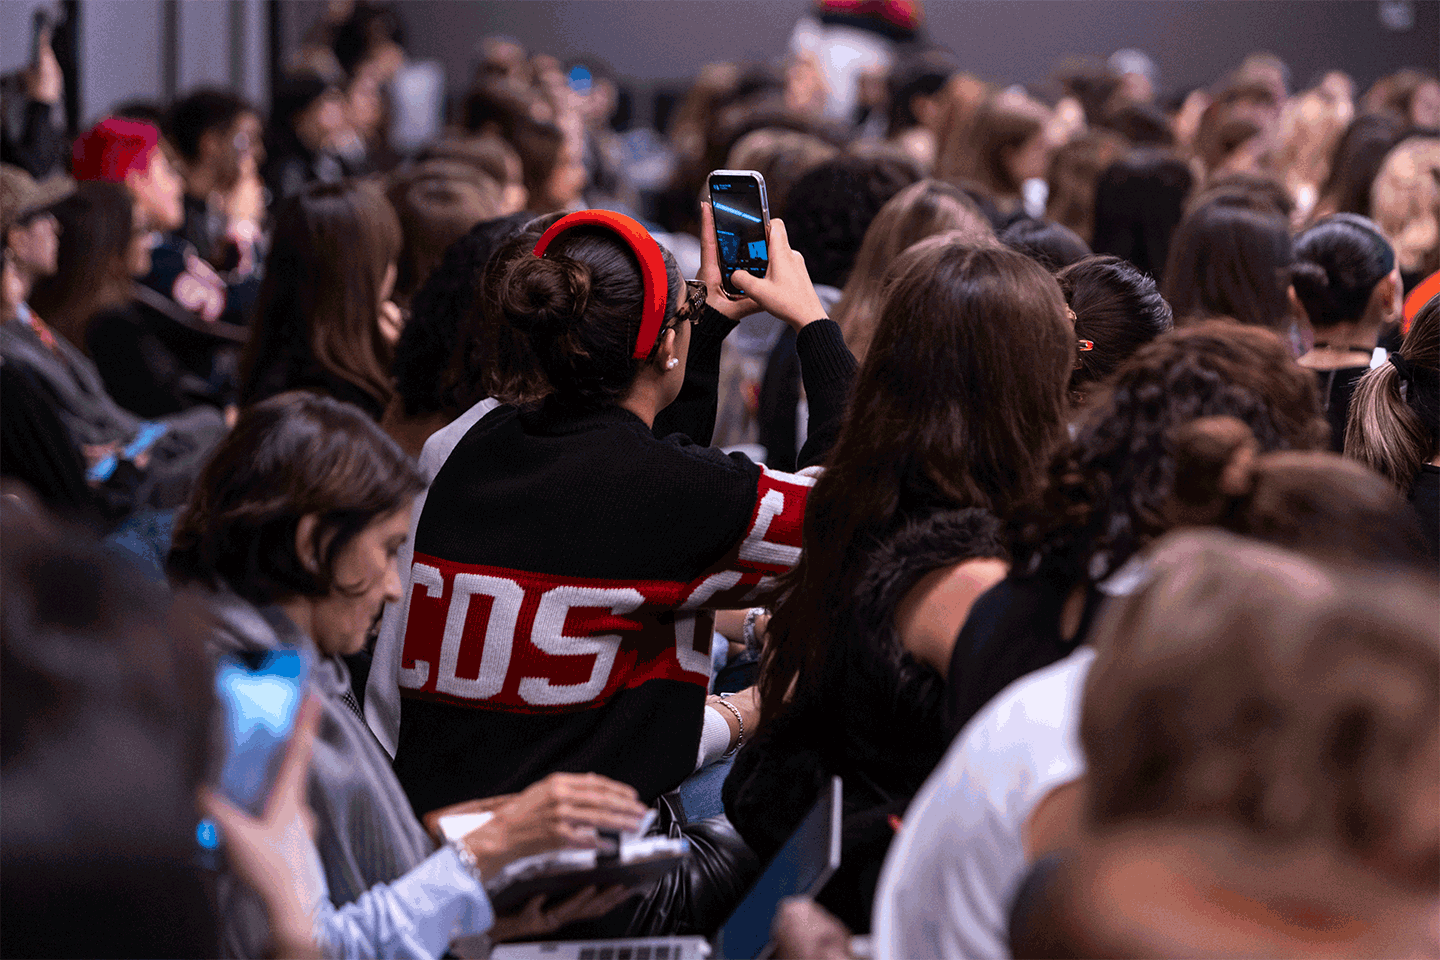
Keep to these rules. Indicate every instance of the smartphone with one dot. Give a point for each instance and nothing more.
(39, 34)
(742, 220)
(260, 696)
(146, 438)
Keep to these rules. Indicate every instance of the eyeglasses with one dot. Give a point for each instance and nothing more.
(695, 293)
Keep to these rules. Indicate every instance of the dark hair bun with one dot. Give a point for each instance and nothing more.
(1214, 463)
(545, 296)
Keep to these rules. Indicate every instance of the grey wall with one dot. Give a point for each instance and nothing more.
(124, 48)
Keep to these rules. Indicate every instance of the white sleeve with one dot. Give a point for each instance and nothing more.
(416, 917)
(714, 737)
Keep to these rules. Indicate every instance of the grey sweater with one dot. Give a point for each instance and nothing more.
(92, 416)
(366, 830)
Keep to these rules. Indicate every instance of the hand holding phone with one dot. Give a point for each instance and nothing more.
(785, 290)
(740, 224)
(260, 696)
(273, 851)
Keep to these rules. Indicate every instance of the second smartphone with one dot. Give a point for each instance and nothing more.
(742, 214)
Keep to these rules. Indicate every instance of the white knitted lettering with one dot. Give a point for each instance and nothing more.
(506, 597)
(548, 634)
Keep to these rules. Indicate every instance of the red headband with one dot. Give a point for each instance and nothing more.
(646, 250)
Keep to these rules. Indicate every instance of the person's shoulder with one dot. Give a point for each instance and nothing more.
(1019, 734)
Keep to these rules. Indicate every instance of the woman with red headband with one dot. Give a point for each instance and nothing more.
(570, 549)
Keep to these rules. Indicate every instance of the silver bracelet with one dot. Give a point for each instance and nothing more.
(467, 859)
(724, 701)
(747, 632)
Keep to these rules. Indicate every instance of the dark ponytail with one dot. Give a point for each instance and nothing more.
(1337, 264)
(565, 324)
(1117, 309)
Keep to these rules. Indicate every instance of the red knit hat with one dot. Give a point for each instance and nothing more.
(113, 148)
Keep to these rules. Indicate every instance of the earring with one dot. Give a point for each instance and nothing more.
(672, 363)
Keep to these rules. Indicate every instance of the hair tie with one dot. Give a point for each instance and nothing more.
(647, 251)
(1403, 367)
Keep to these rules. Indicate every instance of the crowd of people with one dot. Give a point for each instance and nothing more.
(1068, 485)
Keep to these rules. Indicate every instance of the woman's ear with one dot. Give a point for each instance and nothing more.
(1388, 297)
(305, 545)
(668, 356)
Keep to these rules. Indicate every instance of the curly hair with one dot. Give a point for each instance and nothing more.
(1106, 492)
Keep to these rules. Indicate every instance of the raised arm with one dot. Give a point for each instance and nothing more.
(826, 364)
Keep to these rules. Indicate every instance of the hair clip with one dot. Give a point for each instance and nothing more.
(1084, 346)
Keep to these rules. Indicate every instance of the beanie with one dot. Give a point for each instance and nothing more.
(113, 148)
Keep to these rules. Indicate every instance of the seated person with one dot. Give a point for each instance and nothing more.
(1260, 733)
(173, 446)
(1002, 794)
(290, 542)
(596, 320)
(194, 318)
(1347, 283)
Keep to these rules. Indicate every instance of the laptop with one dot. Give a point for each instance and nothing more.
(802, 867)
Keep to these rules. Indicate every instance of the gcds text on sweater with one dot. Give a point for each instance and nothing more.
(497, 639)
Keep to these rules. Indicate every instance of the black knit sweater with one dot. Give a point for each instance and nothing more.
(563, 566)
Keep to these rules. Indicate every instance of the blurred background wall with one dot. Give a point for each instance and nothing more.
(157, 48)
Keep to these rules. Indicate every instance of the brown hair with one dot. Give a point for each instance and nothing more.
(1004, 123)
(566, 323)
(437, 203)
(487, 153)
(1107, 489)
(1315, 502)
(960, 398)
(1395, 93)
(1117, 309)
(781, 156)
(1073, 176)
(1392, 433)
(963, 97)
(1246, 685)
(96, 230)
(1228, 259)
(318, 306)
(919, 211)
(288, 456)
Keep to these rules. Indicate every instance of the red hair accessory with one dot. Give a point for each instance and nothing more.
(113, 148)
(646, 250)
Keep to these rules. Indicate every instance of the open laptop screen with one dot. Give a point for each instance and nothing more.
(801, 868)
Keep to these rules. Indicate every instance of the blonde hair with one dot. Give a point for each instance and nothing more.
(1405, 202)
(921, 210)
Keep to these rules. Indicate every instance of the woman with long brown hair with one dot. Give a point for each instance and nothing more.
(955, 410)
(323, 320)
(919, 211)
(1394, 423)
(1008, 143)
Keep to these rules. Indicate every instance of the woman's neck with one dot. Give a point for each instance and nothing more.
(1343, 345)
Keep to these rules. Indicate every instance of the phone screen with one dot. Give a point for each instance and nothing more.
(738, 201)
(260, 695)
